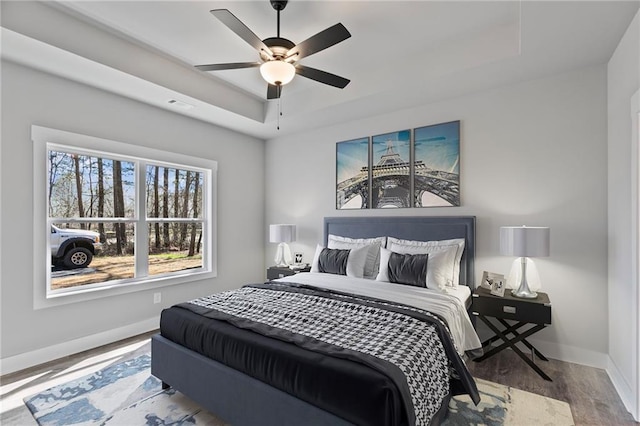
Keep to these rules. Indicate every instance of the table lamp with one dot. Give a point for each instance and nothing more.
(524, 242)
(282, 234)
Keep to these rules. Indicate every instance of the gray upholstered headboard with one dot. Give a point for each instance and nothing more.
(420, 228)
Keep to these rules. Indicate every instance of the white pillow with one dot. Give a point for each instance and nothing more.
(438, 266)
(420, 247)
(355, 262)
(373, 256)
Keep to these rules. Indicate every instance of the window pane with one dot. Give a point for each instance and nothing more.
(88, 253)
(98, 205)
(174, 246)
(173, 193)
(90, 186)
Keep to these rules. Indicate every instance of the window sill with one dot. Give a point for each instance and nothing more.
(43, 301)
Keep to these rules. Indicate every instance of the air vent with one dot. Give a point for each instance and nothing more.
(180, 104)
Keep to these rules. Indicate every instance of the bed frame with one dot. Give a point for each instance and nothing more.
(239, 399)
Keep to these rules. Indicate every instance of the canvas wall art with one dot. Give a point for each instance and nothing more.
(391, 170)
(436, 172)
(352, 174)
(406, 168)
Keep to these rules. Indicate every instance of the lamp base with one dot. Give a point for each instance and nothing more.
(283, 255)
(524, 293)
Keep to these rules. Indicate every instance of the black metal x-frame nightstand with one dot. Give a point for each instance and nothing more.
(535, 312)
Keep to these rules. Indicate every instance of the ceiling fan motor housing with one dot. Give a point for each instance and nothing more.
(279, 5)
(279, 46)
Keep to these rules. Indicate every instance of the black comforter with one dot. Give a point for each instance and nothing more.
(295, 346)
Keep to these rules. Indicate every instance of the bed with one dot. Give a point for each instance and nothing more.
(262, 378)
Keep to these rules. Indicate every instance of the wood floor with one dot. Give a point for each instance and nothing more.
(588, 390)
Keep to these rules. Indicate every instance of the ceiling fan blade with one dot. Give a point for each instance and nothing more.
(322, 76)
(229, 66)
(238, 27)
(322, 40)
(273, 91)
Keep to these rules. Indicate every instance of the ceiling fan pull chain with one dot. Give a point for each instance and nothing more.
(279, 111)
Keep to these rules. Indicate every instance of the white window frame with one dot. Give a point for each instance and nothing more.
(634, 404)
(45, 139)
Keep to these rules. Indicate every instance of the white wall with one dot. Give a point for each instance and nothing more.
(623, 81)
(31, 97)
(534, 153)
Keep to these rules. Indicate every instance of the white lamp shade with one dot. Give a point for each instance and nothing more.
(524, 241)
(282, 233)
(277, 72)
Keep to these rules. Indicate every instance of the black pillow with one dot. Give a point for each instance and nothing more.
(333, 261)
(409, 269)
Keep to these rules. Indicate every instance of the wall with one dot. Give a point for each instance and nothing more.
(31, 97)
(533, 153)
(623, 81)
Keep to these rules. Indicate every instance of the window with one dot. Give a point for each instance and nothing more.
(119, 216)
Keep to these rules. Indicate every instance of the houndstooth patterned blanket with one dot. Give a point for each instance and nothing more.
(412, 346)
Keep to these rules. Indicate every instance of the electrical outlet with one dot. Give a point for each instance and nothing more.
(157, 297)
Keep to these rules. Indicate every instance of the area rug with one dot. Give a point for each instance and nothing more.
(126, 394)
(504, 405)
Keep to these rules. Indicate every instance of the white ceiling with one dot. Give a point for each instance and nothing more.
(401, 54)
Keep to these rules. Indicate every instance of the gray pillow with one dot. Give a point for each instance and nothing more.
(409, 269)
(333, 261)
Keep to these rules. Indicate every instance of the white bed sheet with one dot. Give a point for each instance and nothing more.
(450, 305)
(462, 293)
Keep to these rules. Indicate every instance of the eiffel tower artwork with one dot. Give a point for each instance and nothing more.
(352, 174)
(436, 171)
(391, 170)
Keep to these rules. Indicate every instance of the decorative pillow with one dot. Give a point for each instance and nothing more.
(415, 247)
(333, 261)
(438, 267)
(409, 269)
(373, 256)
(327, 260)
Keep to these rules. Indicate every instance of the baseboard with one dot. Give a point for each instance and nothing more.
(572, 354)
(40, 356)
(624, 389)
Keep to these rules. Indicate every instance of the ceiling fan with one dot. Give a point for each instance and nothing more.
(278, 56)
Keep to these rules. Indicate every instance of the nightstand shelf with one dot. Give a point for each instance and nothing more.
(534, 312)
(275, 272)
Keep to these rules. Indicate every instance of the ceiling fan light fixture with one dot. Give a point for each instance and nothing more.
(279, 57)
(277, 72)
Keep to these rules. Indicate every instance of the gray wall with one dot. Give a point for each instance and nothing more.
(534, 153)
(31, 97)
(623, 81)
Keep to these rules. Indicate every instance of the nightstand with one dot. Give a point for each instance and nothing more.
(274, 272)
(525, 312)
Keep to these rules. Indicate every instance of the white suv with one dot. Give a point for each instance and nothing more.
(74, 247)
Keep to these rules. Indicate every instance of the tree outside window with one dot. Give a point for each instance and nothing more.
(99, 193)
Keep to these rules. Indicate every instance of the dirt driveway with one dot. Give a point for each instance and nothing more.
(111, 268)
